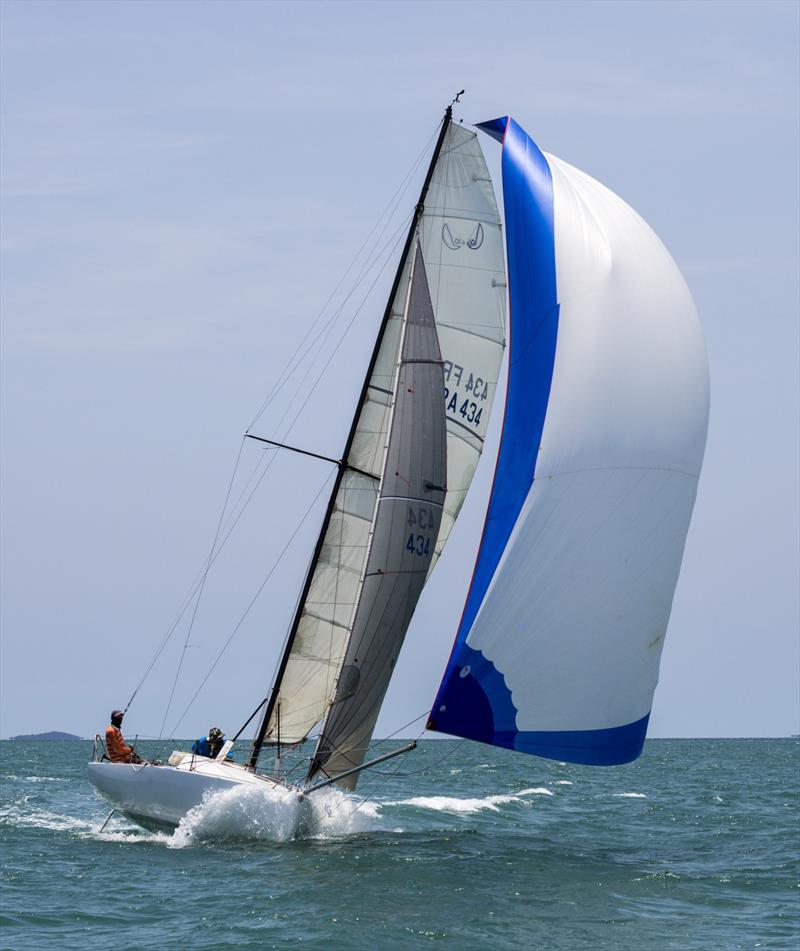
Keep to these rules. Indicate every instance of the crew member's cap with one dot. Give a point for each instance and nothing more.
(117, 714)
(215, 733)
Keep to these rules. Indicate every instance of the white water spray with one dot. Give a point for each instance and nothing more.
(272, 814)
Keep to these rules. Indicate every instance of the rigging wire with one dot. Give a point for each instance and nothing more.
(350, 323)
(346, 755)
(424, 769)
(392, 204)
(322, 372)
(197, 586)
(252, 602)
(202, 585)
(396, 774)
(405, 726)
(200, 577)
(325, 332)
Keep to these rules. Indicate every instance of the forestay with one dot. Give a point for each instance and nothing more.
(458, 229)
(558, 648)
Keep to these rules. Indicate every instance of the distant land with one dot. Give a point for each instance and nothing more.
(52, 735)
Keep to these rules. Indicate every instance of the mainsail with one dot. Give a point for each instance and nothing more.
(456, 300)
(604, 431)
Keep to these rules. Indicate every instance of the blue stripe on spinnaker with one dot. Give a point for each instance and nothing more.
(496, 128)
(478, 706)
(610, 747)
(530, 242)
(528, 201)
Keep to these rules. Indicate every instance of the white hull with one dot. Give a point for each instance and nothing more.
(163, 795)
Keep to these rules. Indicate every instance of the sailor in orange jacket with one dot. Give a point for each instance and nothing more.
(118, 751)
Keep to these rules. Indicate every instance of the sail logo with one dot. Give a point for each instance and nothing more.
(455, 241)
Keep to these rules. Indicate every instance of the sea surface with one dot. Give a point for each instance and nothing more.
(457, 845)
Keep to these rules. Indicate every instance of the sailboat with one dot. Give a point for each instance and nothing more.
(603, 434)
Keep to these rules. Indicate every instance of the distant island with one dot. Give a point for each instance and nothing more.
(52, 735)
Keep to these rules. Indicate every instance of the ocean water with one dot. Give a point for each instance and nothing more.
(696, 845)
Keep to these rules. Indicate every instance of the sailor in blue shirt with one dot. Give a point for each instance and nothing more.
(210, 745)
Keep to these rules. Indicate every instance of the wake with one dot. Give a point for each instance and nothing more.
(248, 813)
(466, 806)
(275, 814)
(240, 814)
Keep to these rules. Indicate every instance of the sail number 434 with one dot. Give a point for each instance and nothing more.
(459, 380)
(422, 522)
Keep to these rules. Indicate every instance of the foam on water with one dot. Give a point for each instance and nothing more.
(120, 829)
(11, 777)
(469, 805)
(242, 813)
(23, 818)
(630, 795)
(261, 814)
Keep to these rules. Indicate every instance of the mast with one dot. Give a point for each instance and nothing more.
(258, 742)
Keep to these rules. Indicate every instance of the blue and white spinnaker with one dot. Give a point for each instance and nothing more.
(558, 648)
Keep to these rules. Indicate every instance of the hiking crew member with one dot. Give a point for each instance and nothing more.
(118, 750)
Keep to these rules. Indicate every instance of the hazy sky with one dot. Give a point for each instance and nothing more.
(183, 184)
